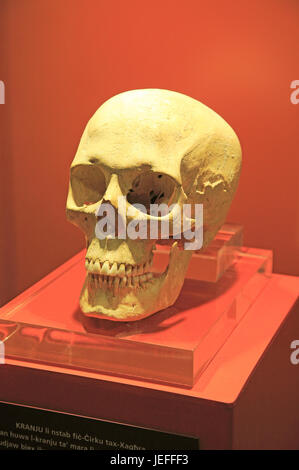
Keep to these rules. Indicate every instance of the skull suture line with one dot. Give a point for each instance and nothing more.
(147, 146)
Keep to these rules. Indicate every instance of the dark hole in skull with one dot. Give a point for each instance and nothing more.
(88, 184)
(152, 188)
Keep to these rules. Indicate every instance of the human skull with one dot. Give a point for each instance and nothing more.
(146, 146)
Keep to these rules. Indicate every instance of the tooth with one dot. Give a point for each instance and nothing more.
(115, 285)
(129, 281)
(140, 269)
(121, 269)
(110, 279)
(135, 281)
(146, 267)
(143, 278)
(90, 267)
(86, 263)
(134, 270)
(123, 282)
(100, 281)
(149, 276)
(105, 268)
(97, 266)
(113, 270)
(106, 281)
(129, 269)
(90, 286)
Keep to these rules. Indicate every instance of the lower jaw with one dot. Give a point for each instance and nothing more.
(125, 304)
(135, 303)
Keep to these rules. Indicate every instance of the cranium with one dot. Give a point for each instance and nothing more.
(143, 146)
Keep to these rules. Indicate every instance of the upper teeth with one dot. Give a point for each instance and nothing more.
(116, 269)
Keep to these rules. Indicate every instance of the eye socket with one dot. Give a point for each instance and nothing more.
(88, 184)
(152, 188)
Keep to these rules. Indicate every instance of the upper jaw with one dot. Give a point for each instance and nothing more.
(106, 268)
(117, 276)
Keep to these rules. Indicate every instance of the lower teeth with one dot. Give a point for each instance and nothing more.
(97, 280)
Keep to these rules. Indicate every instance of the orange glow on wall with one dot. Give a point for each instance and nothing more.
(61, 60)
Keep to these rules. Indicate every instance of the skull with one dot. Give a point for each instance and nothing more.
(144, 147)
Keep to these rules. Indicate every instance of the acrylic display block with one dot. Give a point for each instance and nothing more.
(209, 264)
(174, 346)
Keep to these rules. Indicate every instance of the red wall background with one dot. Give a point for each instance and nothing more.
(61, 59)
